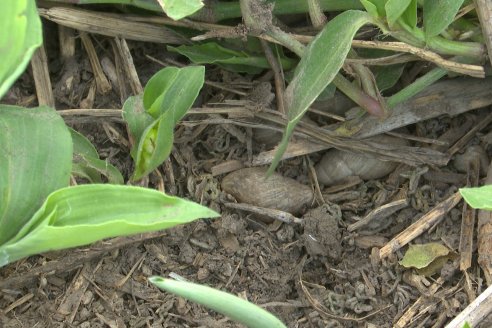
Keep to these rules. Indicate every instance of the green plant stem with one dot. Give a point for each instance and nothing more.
(362, 99)
(417, 86)
(222, 10)
(416, 37)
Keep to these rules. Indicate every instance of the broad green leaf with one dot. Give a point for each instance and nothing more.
(387, 76)
(135, 116)
(35, 160)
(229, 305)
(83, 214)
(420, 256)
(438, 14)
(154, 146)
(88, 165)
(319, 65)
(479, 198)
(20, 35)
(178, 9)
(237, 61)
(173, 90)
(394, 10)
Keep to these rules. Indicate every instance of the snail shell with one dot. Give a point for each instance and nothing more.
(251, 186)
(336, 165)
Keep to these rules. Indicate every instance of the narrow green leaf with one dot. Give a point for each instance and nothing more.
(135, 116)
(229, 305)
(35, 159)
(155, 146)
(370, 8)
(178, 9)
(20, 35)
(83, 214)
(479, 198)
(81, 145)
(173, 90)
(438, 14)
(321, 62)
(409, 16)
(394, 10)
(237, 61)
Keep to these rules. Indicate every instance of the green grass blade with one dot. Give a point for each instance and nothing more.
(438, 15)
(319, 65)
(479, 198)
(80, 215)
(229, 305)
(20, 35)
(35, 160)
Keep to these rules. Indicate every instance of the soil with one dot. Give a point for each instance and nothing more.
(317, 273)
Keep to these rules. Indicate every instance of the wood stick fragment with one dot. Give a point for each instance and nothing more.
(379, 213)
(485, 237)
(128, 65)
(468, 218)
(475, 312)
(41, 74)
(484, 11)
(103, 85)
(420, 226)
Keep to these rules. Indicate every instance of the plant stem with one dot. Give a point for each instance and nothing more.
(418, 85)
(222, 10)
(416, 37)
(371, 105)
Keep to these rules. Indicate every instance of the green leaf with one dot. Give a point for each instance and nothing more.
(20, 35)
(136, 117)
(167, 97)
(83, 214)
(394, 10)
(321, 62)
(420, 256)
(370, 8)
(438, 14)
(154, 146)
(35, 159)
(409, 16)
(178, 9)
(387, 76)
(236, 61)
(229, 305)
(88, 165)
(173, 89)
(479, 198)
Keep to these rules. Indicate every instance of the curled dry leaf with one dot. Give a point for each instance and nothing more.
(336, 165)
(251, 185)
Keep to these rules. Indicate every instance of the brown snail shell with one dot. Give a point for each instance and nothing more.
(251, 186)
(336, 165)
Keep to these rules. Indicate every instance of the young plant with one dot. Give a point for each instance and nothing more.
(229, 305)
(151, 119)
(38, 211)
